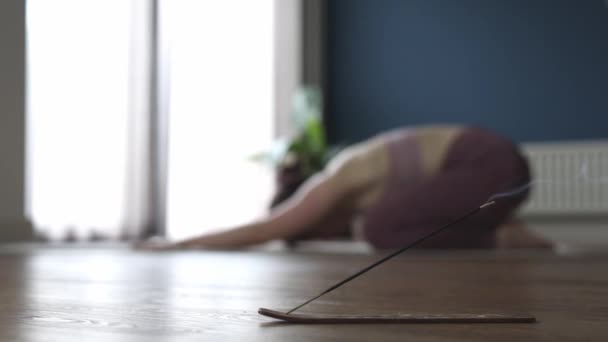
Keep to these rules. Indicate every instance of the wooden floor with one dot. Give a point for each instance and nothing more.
(121, 295)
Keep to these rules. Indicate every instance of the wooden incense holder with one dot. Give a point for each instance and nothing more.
(394, 319)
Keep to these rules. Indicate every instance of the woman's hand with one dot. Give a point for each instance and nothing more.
(157, 244)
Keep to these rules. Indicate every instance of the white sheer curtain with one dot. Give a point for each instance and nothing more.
(89, 126)
(221, 112)
(87, 104)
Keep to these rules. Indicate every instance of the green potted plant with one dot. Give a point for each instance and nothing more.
(307, 152)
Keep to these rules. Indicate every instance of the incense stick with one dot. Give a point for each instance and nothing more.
(433, 233)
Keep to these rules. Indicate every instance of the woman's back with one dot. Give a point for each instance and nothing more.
(403, 152)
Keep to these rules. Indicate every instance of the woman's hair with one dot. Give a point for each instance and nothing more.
(289, 178)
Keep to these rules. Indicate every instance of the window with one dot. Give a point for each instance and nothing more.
(78, 102)
(220, 112)
(87, 88)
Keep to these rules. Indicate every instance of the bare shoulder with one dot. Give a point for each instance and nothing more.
(360, 165)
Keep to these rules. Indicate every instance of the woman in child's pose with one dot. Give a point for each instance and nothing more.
(396, 187)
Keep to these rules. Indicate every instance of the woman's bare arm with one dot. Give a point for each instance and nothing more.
(343, 180)
(307, 207)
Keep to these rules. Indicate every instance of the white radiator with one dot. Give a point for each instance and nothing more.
(570, 178)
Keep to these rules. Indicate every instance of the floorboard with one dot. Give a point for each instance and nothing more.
(115, 294)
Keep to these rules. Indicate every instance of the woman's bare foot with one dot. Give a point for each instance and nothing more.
(515, 234)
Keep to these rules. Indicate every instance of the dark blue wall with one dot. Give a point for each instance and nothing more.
(535, 70)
